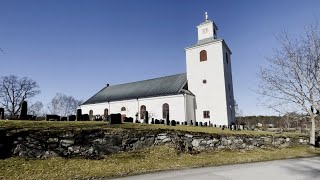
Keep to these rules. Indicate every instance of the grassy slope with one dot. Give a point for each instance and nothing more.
(38, 125)
(129, 163)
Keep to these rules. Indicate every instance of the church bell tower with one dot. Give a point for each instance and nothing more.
(209, 76)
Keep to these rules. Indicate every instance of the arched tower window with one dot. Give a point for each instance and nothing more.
(203, 55)
(123, 109)
(143, 110)
(91, 115)
(106, 112)
(165, 111)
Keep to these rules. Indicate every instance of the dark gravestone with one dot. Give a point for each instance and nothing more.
(157, 121)
(63, 118)
(24, 110)
(1, 113)
(178, 122)
(215, 125)
(79, 115)
(167, 120)
(30, 117)
(205, 124)
(191, 122)
(72, 118)
(197, 123)
(161, 121)
(52, 117)
(137, 121)
(85, 117)
(152, 121)
(200, 124)
(115, 118)
(173, 123)
(146, 118)
(185, 123)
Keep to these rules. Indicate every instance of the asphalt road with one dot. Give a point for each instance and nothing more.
(291, 169)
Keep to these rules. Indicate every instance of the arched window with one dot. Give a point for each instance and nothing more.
(106, 112)
(203, 55)
(123, 109)
(143, 110)
(91, 115)
(165, 111)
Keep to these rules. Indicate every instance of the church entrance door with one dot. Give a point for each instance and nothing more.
(123, 116)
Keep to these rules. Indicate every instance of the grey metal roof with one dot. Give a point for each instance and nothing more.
(169, 85)
(205, 41)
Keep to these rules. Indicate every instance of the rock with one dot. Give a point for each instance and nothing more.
(161, 137)
(196, 143)
(66, 142)
(50, 154)
(188, 135)
(52, 140)
(144, 144)
(166, 140)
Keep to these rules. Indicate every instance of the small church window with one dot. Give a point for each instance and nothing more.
(91, 114)
(227, 58)
(204, 81)
(165, 111)
(203, 55)
(123, 109)
(143, 110)
(206, 114)
(106, 112)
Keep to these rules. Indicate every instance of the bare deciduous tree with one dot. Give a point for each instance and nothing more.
(64, 105)
(14, 90)
(291, 80)
(35, 109)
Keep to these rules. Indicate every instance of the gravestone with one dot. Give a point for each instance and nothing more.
(167, 120)
(1, 113)
(72, 117)
(85, 117)
(205, 124)
(63, 118)
(200, 124)
(24, 110)
(157, 121)
(197, 123)
(152, 121)
(52, 117)
(161, 121)
(79, 114)
(115, 118)
(146, 118)
(173, 123)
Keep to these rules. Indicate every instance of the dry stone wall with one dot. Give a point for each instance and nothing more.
(98, 143)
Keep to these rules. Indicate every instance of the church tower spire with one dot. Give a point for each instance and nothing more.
(207, 29)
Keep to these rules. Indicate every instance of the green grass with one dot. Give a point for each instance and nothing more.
(129, 163)
(86, 125)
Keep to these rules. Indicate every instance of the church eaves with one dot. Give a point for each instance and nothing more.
(163, 86)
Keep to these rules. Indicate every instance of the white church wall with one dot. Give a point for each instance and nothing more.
(190, 108)
(153, 106)
(210, 96)
(176, 106)
(229, 85)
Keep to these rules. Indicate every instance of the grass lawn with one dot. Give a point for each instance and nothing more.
(130, 163)
(80, 125)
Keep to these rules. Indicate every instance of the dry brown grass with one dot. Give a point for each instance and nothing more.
(130, 163)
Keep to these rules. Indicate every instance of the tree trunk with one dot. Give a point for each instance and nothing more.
(312, 132)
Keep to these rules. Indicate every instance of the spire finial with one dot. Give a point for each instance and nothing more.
(206, 13)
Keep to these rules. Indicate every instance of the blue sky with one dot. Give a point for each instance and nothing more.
(76, 47)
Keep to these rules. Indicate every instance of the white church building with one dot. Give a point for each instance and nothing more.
(203, 94)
